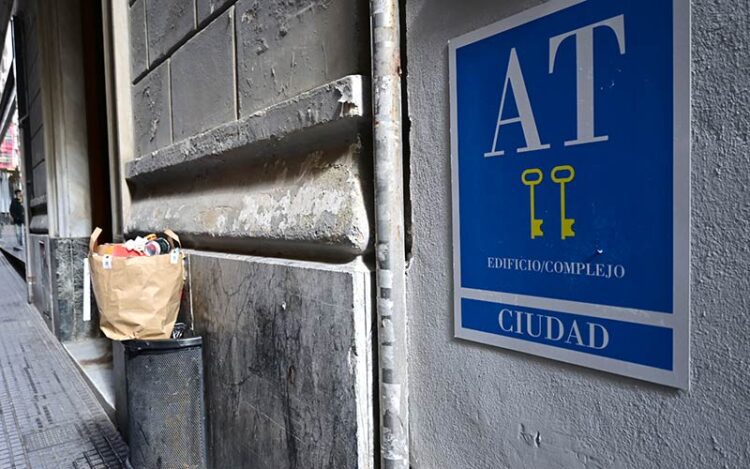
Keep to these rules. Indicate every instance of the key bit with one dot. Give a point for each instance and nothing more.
(567, 228)
(531, 178)
(566, 224)
(536, 228)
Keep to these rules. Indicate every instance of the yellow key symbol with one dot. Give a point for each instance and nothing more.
(566, 224)
(536, 225)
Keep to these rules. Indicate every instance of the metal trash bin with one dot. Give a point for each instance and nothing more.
(166, 413)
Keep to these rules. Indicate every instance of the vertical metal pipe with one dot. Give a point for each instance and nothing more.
(389, 221)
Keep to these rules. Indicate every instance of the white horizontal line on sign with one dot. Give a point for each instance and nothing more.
(512, 22)
(615, 313)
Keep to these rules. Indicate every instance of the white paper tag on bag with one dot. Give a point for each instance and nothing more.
(86, 290)
(174, 256)
(107, 262)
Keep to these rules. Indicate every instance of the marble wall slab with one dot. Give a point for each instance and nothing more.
(67, 255)
(288, 361)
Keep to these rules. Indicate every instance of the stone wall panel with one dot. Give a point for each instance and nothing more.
(287, 347)
(206, 8)
(66, 256)
(312, 205)
(285, 48)
(138, 40)
(203, 79)
(168, 22)
(152, 111)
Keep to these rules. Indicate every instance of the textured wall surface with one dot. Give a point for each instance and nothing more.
(138, 44)
(169, 21)
(285, 48)
(282, 49)
(152, 120)
(288, 359)
(474, 406)
(206, 8)
(66, 261)
(303, 202)
(205, 63)
(57, 286)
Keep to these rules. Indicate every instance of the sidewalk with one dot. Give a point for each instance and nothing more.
(49, 418)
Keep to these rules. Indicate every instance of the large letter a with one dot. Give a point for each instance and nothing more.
(514, 78)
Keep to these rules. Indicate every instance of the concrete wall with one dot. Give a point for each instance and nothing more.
(251, 129)
(479, 407)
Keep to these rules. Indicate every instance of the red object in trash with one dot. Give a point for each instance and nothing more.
(117, 250)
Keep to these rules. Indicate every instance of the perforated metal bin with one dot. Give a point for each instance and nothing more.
(166, 413)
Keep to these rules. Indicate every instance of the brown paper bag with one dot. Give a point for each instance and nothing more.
(138, 297)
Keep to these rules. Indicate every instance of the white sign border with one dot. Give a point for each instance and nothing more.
(679, 320)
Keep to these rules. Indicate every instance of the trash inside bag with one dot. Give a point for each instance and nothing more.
(179, 330)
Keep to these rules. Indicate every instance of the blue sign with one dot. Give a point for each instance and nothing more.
(570, 158)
